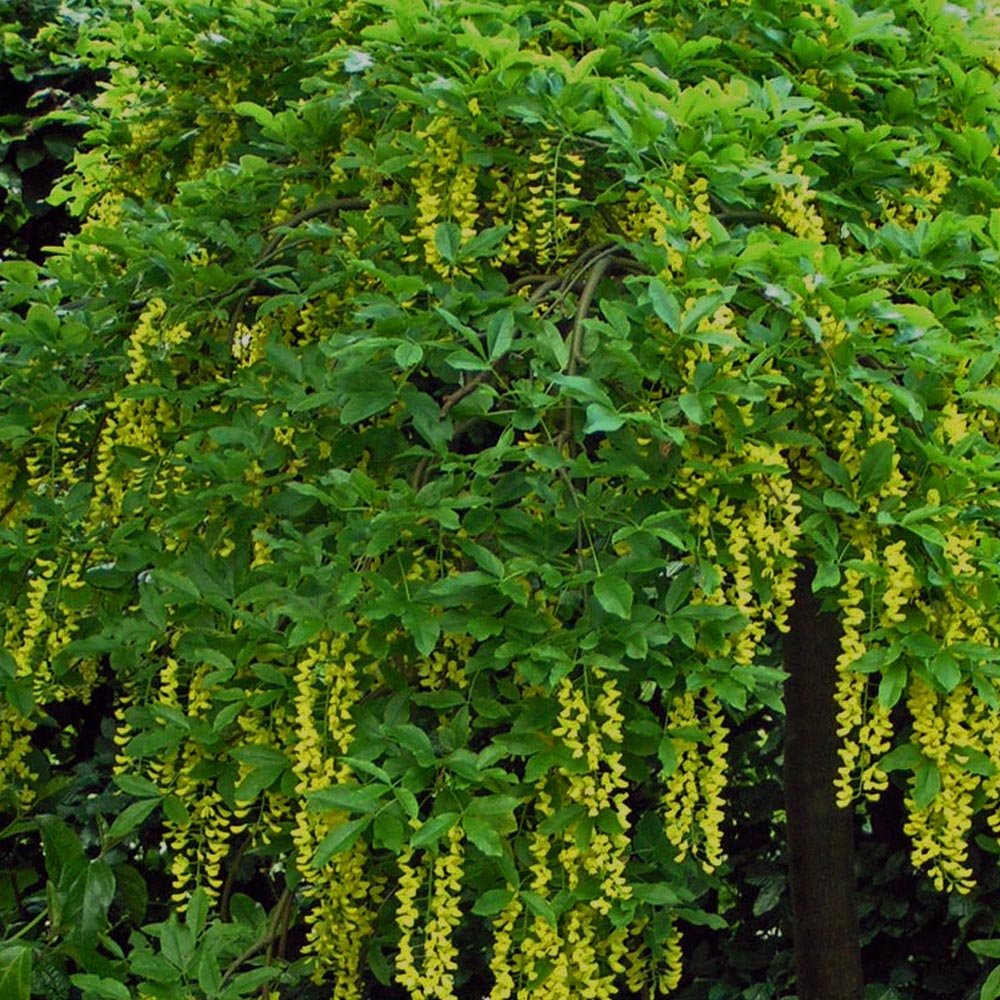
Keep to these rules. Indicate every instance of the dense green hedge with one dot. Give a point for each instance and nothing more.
(409, 464)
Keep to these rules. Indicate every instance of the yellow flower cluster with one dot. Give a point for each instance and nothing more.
(199, 842)
(940, 830)
(693, 802)
(678, 215)
(15, 746)
(793, 203)
(539, 205)
(669, 977)
(833, 331)
(446, 190)
(760, 534)
(445, 667)
(433, 978)
(134, 423)
(502, 960)
(249, 343)
(34, 635)
(340, 918)
(218, 127)
(921, 200)
(865, 730)
(579, 955)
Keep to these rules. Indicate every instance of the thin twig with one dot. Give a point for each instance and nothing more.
(543, 289)
(530, 279)
(583, 308)
(227, 888)
(462, 391)
(320, 208)
(419, 477)
(261, 943)
(275, 243)
(597, 271)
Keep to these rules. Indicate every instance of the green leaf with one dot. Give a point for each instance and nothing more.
(15, 972)
(553, 346)
(974, 761)
(414, 739)
(247, 982)
(131, 817)
(665, 305)
(448, 240)
(96, 987)
(407, 800)
(43, 321)
(615, 595)
(98, 892)
(500, 334)
(482, 833)
(177, 582)
(197, 912)
(65, 859)
(260, 115)
(267, 765)
(838, 501)
(991, 988)
(927, 532)
(209, 973)
(892, 684)
(484, 243)
(692, 407)
(131, 892)
(656, 893)
(876, 467)
(408, 354)
(177, 943)
(423, 626)
(926, 785)
(347, 798)
(339, 839)
(388, 831)
(492, 902)
(946, 671)
(433, 830)
(987, 947)
(137, 786)
(827, 575)
(540, 907)
(600, 418)
(365, 403)
(903, 758)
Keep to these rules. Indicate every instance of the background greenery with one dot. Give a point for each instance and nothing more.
(281, 391)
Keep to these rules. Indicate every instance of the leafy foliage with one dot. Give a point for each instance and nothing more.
(411, 460)
(45, 83)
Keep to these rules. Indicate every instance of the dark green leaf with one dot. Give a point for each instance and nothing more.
(665, 305)
(927, 783)
(482, 833)
(615, 595)
(340, 838)
(347, 798)
(433, 830)
(131, 817)
(15, 972)
(876, 467)
(492, 902)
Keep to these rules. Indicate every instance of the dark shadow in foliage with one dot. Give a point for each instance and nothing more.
(44, 85)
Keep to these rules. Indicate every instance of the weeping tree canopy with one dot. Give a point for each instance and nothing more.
(412, 459)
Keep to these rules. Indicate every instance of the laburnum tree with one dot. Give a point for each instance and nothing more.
(450, 422)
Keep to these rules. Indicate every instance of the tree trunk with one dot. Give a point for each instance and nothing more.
(820, 835)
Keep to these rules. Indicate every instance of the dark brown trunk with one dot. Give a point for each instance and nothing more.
(820, 835)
